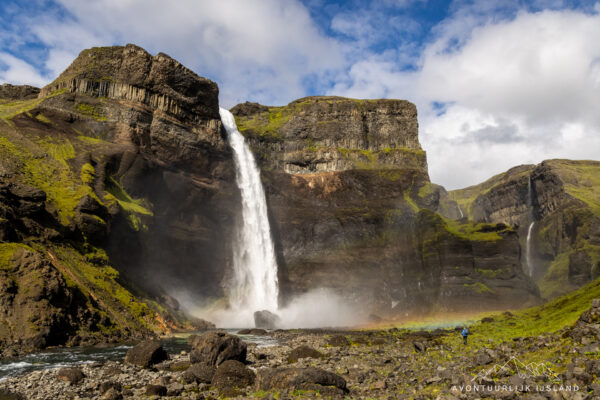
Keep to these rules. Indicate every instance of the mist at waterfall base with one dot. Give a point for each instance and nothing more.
(319, 308)
(254, 286)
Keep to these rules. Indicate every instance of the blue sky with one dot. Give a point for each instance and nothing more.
(497, 82)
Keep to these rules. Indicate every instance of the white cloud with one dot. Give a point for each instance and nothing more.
(16, 71)
(516, 91)
(255, 50)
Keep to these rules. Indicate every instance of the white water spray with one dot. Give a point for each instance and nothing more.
(461, 213)
(254, 285)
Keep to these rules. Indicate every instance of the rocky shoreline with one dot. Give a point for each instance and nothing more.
(392, 363)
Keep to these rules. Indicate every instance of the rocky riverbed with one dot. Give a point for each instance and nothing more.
(380, 364)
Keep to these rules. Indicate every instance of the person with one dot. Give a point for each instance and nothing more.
(465, 334)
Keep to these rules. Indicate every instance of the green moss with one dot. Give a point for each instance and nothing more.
(478, 287)
(92, 111)
(88, 173)
(410, 201)
(489, 273)
(134, 208)
(42, 118)
(425, 190)
(473, 232)
(50, 174)
(547, 318)
(6, 253)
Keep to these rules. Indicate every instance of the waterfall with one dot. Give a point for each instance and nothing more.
(528, 250)
(461, 213)
(530, 218)
(254, 285)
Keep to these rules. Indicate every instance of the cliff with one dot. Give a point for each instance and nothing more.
(353, 210)
(117, 188)
(562, 200)
(318, 134)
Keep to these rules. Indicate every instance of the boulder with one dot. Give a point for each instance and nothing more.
(338, 341)
(200, 373)
(214, 348)
(71, 375)
(300, 379)
(420, 347)
(156, 390)
(111, 394)
(201, 324)
(232, 375)
(303, 352)
(146, 353)
(266, 320)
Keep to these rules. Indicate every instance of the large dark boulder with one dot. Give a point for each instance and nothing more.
(214, 348)
(232, 375)
(146, 354)
(200, 373)
(300, 379)
(266, 319)
(338, 341)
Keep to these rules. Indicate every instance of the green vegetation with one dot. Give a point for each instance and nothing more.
(547, 318)
(581, 180)
(88, 173)
(474, 232)
(6, 253)
(101, 284)
(134, 208)
(42, 118)
(478, 287)
(92, 111)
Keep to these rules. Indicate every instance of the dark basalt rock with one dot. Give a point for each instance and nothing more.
(266, 319)
(214, 348)
(232, 375)
(300, 379)
(71, 375)
(156, 390)
(146, 354)
(338, 341)
(200, 373)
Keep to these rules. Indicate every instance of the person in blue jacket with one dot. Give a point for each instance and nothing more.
(465, 334)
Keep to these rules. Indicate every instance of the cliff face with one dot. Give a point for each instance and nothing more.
(561, 198)
(318, 134)
(353, 210)
(119, 163)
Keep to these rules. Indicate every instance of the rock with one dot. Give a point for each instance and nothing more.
(266, 319)
(200, 373)
(18, 92)
(201, 324)
(146, 354)
(174, 389)
(71, 375)
(338, 341)
(8, 395)
(232, 375)
(303, 352)
(156, 390)
(419, 347)
(105, 386)
(111, 394)
(299, 379)
(214, 348)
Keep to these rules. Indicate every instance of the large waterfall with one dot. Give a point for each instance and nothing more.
(254, 286)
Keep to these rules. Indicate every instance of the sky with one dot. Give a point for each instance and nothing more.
(497, 83)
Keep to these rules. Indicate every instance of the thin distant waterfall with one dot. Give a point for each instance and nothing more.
(254, 285)
(530, 217)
